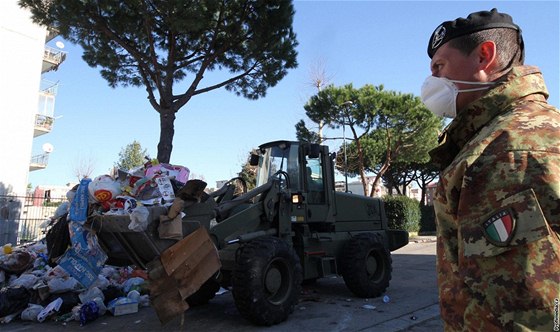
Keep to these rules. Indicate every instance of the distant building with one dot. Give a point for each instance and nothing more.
(27, 108)
(27, 101)
(415, 193)
(43, 194)
(356, 187)
(430, 193)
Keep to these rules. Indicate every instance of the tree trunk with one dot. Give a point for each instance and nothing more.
(167, 131)
(361, 160)
(378, 177)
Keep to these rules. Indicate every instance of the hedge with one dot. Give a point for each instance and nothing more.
(402, 213)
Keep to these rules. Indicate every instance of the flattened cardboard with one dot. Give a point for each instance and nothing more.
(186, 266)
(187, 251)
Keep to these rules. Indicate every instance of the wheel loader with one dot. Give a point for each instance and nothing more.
(293, 227)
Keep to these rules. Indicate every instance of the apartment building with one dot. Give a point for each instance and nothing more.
(26, 105)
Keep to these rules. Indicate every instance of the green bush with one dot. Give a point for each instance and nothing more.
(402, 213)
(52, 203)
(428, 219)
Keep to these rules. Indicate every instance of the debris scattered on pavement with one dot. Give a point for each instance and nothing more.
(369, 307)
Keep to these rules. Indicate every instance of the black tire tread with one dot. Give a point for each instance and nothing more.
(204, 294)
(354, 270)
(247, 284)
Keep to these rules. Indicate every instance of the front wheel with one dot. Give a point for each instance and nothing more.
(205, 293)
(266, 282)
(366, 265)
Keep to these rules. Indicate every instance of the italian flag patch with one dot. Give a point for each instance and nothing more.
(499, 228)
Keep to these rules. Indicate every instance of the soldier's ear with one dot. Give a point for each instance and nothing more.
(486, 56)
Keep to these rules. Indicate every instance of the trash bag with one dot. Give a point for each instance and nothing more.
(49, 310)
(112, 292)
(61, 285)
(13, 300)
(26, 280)
(31, 312)
(69, 301)
(133, 284)
(139, 219)
(17, 262)
(90, 294)
(89, 311)
(58, 239)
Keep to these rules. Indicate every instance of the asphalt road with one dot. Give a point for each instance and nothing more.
(326, 305)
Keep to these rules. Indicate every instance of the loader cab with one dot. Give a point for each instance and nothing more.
(275, 157)
(310, 175)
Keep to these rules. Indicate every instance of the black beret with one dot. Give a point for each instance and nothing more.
(478, 21)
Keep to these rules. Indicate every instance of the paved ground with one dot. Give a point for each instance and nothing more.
(325, 306)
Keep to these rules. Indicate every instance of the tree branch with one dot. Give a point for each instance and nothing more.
(224, 83)
(150, 90)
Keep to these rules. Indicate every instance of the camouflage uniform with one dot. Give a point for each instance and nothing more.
(498, 209)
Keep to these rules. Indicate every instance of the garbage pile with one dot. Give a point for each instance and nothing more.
(63, 277)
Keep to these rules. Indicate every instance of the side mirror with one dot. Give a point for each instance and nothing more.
(254, 160)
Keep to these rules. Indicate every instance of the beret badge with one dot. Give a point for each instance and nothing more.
(439, 35)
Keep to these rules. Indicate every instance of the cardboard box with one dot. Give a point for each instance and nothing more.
(180, 271)
(120, 309)
(83, 267)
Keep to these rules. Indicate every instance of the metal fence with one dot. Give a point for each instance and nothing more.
(21, 217)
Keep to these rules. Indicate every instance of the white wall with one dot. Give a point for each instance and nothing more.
(22, 43)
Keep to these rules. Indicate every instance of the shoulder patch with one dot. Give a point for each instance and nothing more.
(500, 228)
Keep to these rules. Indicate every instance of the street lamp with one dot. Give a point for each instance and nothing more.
(346, 105)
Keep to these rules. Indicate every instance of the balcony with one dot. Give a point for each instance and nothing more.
(39, 161)
(51, 33)
(52, 58)
(43, 124)
(44, 119)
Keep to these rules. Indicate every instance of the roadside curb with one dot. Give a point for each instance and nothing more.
(423, 239)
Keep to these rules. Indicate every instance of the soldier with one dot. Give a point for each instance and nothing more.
(498, 198)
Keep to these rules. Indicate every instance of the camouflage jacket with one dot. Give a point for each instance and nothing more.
(498, 210)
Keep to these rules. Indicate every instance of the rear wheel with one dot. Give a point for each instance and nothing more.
(366, 265)
(266, 282)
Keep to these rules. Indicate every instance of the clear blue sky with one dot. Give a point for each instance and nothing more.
(358, 42)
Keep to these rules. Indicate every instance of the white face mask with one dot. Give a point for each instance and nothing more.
(439, 94)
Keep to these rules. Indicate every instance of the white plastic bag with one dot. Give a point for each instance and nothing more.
(61, 285)
(91, 294)
(102, 282)
(50, 309)
(144, 300)
(26, 280)
(139, 219)
(31, 312)
(132, 283)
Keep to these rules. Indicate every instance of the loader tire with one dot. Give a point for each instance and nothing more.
(266, 281)
(204, 294)
(366, 265)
